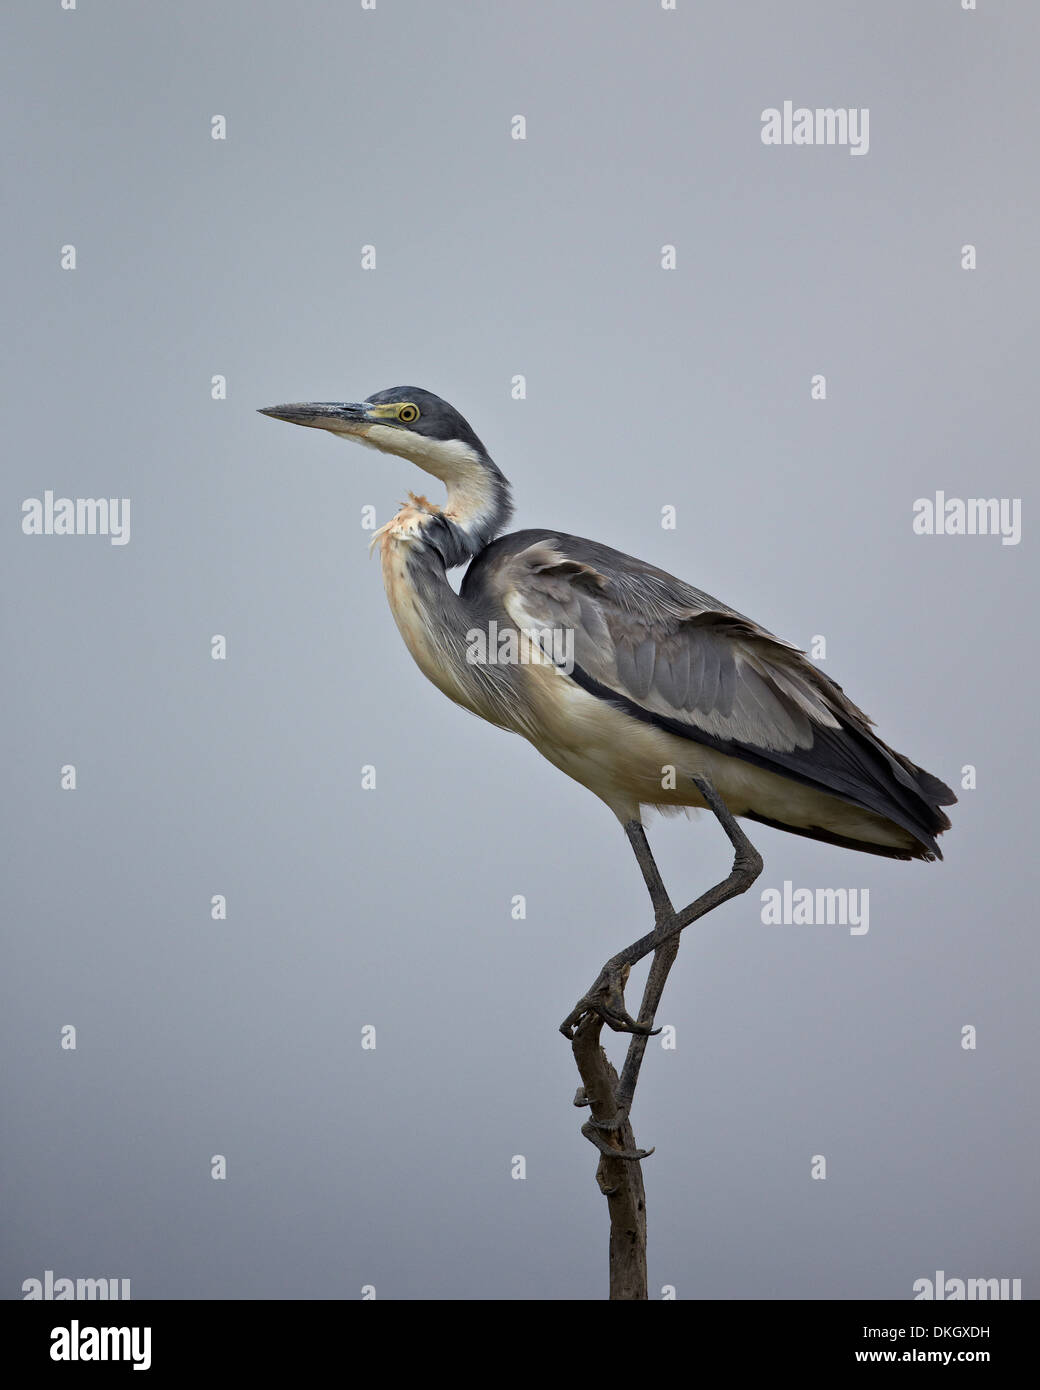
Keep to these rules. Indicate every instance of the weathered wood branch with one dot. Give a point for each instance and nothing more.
(620, 1179)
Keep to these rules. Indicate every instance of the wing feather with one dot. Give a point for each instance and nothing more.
(673, 655)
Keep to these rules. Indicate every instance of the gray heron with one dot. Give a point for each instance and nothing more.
(645, 690)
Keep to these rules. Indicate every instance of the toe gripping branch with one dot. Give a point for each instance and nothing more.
(606, 999)
(609, 1136)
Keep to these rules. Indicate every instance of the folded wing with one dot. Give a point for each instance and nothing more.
(674, 656)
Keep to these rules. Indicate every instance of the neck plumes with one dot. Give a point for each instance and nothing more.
(417, 547)
(477, 506)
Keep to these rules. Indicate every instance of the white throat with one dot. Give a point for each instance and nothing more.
(471, 499)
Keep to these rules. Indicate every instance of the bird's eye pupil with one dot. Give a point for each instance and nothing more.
(408, 413)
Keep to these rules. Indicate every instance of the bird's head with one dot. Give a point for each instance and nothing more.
(421, 427)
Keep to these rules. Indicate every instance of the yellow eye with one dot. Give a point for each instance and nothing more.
(408, 413)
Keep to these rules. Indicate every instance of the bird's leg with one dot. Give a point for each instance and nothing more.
(747, 865)
(606, 998)
(662, 903)
(664, 955)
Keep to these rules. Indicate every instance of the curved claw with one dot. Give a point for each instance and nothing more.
(633, 1155)
(621, 1021)
(606, 999)
(644, 1030)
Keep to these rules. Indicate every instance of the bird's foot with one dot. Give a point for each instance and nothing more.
(595, 1134)
(581, 1100)
(606, 999)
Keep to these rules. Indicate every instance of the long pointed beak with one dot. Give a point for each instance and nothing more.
(336, 416)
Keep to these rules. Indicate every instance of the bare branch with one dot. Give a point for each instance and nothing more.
(620, 1174)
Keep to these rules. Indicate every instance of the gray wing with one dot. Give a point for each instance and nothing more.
(675, 656)
(674, 651)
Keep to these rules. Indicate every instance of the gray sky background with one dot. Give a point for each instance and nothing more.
(645, 388)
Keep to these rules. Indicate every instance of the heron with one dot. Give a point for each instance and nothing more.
(647, 691)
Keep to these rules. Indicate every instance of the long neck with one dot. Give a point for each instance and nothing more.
(478, 503)
(436, 623)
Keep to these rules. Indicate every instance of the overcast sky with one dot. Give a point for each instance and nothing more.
(241, 258)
